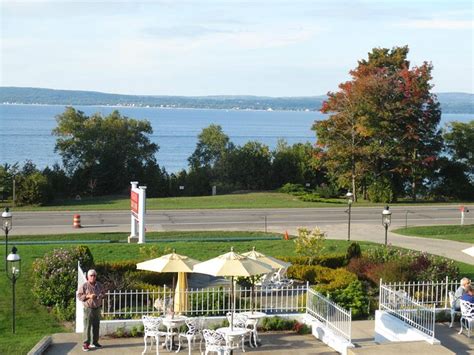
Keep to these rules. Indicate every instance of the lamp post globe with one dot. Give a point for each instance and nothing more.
(13, 273)
(386, 220)
(7, 222)
(350, 199)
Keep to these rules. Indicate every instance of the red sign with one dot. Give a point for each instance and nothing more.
(134, 197)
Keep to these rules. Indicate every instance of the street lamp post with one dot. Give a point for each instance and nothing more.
(13, 273)
(350, 199)
(386, 220)
(7, 220)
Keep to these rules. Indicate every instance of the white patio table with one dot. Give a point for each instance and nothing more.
(172, 323)
(252, 320)
(233, 337)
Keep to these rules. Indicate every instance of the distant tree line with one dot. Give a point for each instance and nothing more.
(381, 140)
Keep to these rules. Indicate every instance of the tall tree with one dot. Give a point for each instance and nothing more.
(104, 153)
(212, 144)
(383, 124)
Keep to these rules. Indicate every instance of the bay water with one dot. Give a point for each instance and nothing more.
(25, 130)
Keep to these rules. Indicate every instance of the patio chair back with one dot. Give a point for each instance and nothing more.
(467, 316)
(240, 320)
(151, 325)
(214, 341)
(195, 325)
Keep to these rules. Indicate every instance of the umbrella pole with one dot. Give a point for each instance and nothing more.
(252, 294)
(172, 296)
(232, 299)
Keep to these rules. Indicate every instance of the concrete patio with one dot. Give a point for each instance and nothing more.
(289, 342)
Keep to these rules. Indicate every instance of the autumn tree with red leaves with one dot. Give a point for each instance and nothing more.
(383, 125)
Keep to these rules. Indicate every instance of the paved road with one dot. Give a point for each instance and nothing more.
(242, 219)
(365, 226)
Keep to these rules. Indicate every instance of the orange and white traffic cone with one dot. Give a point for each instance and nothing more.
(76, 221)
(287, 237)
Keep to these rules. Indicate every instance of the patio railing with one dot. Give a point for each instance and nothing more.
(427, 293)
(125, 304)
(402, 306)
(330, 314)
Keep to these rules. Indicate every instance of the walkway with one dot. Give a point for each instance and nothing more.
(370, 233)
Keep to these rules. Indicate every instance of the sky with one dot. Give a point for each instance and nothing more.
(255, 47)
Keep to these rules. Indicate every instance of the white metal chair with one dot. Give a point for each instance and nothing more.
(467, 316)
(215, 342)
(240, 321)
(251, 324)
(151, 327)
(195, 328)
(452, 301)
(280, 280)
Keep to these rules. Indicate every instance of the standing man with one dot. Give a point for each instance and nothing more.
(91, 294)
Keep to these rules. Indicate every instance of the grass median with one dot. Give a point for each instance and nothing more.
(463, 234)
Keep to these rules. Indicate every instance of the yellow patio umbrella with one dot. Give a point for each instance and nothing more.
(274, 263)
(232, 264)
(173, 262)
(180, 296)
(269, 260)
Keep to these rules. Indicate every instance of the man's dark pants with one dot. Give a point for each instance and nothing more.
(91, 322)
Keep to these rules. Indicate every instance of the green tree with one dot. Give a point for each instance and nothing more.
(212, 144)
(310, 243)
(249, 166)
(295, 164)
(103, 154)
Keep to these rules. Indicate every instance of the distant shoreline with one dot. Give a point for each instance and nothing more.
(155, 107)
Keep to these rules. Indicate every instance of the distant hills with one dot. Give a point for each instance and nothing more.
(450, 102)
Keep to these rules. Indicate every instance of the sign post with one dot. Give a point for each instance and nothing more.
(137, 213)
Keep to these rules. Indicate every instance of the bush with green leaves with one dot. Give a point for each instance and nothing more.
(55, 278)
(353, 297)
(328, 260)
(294, 189)
(277, 323)
(353, 251)
(325, 279)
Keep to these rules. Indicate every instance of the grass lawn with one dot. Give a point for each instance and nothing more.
(246, 200)
(243, 200)
(33, 320)
(458, 233)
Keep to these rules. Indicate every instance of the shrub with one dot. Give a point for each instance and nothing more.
(360, 266)
(352, 297)
(55, 278)
(332, 260)
(390, 271)
(291, 188)
(327, 191)
(353, 251)
(277, 323)
(325, 279)
(301, 328)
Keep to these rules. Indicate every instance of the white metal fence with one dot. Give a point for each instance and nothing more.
(399, 304)
(125, 304)
(329, 313)
(427, 293)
